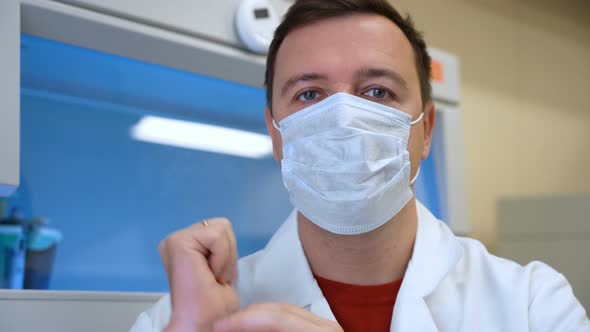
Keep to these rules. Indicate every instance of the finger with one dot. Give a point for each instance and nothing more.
(190, 276)
(231, 267)
(321, 323)
(304, 314)
(229, 270)
(179, 257)
(267, 317)
(216, 246)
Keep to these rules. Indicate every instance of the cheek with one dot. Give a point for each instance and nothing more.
(277, 146)
(416, 145)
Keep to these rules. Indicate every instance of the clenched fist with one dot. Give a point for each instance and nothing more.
(201, 265)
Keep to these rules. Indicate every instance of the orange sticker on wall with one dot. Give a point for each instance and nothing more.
(436, 71)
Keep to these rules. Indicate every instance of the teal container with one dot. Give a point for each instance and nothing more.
(12, 256)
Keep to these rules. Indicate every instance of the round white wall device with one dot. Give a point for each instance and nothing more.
(256, 21)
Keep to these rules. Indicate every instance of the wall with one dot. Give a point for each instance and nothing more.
(525, 76)
(536, 236)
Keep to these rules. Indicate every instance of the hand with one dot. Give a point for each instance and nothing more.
(201, 265)
(275, 317)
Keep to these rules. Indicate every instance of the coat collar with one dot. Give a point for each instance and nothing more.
(283, 273)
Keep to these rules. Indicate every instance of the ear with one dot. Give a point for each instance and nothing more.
(277, 144)
(429, 121)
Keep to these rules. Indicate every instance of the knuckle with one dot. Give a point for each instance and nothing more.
(173, 242)
(270, 312)
(227, 222)
(224, 222)
(173, 238)
(257, 307)
(270, 309)
(282, 306)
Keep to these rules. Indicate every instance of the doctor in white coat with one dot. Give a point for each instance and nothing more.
(351, 117)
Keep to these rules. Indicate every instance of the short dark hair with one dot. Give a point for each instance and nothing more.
(304, 12)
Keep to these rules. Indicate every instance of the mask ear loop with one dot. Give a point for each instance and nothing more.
(418, 171)
(418, 119)
(274, 124)
(415, 176)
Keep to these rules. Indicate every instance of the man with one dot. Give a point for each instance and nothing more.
(351, 117)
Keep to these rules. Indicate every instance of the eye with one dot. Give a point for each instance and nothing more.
(308, 95)
(378, 93)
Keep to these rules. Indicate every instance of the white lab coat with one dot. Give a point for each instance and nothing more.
(451, 284)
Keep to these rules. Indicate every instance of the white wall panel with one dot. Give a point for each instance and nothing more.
(9, 96)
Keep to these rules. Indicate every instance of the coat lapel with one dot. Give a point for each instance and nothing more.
(411, 314)
(436, 252)
(283, 273)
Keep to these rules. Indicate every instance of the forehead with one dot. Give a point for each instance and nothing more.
(338, 46)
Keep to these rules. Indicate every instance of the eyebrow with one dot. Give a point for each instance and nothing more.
(366, 73)
(301, 78)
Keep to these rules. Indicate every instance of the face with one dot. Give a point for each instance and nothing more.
(364, 55)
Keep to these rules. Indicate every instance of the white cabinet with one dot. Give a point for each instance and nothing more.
(210, 19)
(9, 96)
(65, 311)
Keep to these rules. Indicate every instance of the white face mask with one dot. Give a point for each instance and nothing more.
(346, 163)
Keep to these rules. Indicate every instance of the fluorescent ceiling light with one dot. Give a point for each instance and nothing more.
(199, 136)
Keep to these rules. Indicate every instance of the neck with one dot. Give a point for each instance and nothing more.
(373, 258)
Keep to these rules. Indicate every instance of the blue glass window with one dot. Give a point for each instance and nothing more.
(114, 197)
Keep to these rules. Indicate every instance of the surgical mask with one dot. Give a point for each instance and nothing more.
(346, 163)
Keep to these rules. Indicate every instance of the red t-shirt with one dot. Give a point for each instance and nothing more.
(361, 308)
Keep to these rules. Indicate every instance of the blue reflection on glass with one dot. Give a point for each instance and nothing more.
(115, 198)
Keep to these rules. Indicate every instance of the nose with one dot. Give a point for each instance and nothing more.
(343, 87)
